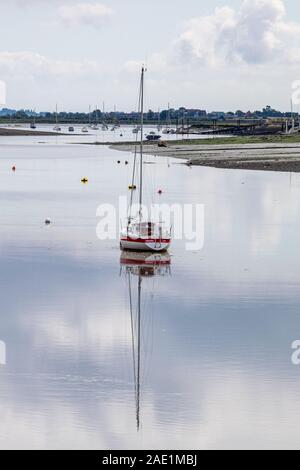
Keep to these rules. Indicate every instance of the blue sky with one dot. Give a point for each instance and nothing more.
(225, 54)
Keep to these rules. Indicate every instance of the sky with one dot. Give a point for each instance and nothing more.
(217, 55)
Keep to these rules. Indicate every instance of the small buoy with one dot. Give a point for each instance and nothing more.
(126, 163)
(160, 191)
(121, 135)
(47, 222)
(84, 180)
(119, 162)
(13, 168)
(132, 188)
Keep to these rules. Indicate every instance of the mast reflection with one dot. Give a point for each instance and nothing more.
(137, 268)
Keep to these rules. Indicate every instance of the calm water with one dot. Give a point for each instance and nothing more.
(216, 325)
(122, 134)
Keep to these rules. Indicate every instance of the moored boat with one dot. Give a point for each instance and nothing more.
(140, 234)
(153, 136)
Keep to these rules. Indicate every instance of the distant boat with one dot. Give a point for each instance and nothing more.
(71, 129)
(158, 123)
(153, 136)
(141, 234)
(167, 129)
(85, 130)
(56, 128)
(136, 130)
(95, 126)
(33, 125)
(104, 127)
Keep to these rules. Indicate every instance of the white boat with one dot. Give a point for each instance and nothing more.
(95, 126)
(167, 130)
(139, 234)
(85, 130)
(115, 127)
(136, 130)
(145, 236)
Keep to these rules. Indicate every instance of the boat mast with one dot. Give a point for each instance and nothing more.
(142, 142)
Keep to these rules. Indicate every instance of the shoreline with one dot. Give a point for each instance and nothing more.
(263, 156)
(26, 133)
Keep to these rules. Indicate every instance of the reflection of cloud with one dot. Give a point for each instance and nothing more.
(218, 372)
(227, 410)
(2, 353)
(279, 208)
(101, 330)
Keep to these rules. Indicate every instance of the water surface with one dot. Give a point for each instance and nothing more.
(216, 324)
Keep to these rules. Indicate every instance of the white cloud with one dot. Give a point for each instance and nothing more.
(26, 64)
(92, 14)
(257, 33)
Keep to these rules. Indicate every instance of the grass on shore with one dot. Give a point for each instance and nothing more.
(237, 140)
(272, 139)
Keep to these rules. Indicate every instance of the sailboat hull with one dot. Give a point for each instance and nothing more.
(154, 245)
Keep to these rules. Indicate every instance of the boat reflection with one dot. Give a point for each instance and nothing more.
(137, 267)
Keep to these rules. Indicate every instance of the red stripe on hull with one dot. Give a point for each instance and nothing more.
(140, 240)
(148, 263)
